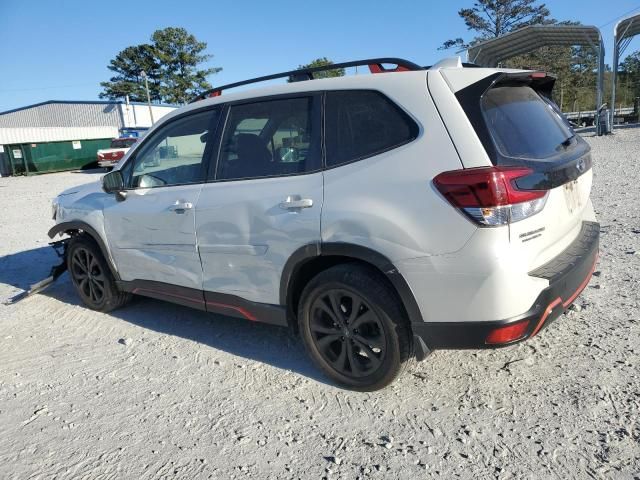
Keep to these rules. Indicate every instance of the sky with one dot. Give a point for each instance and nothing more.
(60, 49)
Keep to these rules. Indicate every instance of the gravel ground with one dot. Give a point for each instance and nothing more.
(156, 390)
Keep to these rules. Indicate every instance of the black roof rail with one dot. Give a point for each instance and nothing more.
(376, 65)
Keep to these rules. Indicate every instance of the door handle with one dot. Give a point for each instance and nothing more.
(295, 201)
(181, 206)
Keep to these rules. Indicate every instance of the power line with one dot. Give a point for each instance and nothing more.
(619, 16)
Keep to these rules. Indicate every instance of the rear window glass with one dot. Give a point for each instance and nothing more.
(362, 123)
(522, 124)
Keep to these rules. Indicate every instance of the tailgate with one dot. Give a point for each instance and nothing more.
(545, 235)
(519, 125)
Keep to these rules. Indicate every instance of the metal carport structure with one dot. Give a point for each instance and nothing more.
(527, 39)
(623, 33)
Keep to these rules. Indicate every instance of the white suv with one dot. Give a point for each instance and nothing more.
(382, 216)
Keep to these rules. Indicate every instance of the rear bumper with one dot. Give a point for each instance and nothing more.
(568, 274)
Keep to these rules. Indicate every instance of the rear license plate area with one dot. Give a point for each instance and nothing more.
(572, 195)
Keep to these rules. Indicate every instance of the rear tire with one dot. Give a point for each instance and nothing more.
(92, 277)
(354, 327)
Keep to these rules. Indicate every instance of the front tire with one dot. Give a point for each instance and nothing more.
(92, 277)
(354, 327)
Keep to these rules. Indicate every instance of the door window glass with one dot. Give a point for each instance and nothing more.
(175, 154)
(270, 138)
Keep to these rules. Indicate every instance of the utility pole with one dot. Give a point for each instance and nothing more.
(143, 74)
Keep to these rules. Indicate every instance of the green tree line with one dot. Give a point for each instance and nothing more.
(172, 63)
(574, 67)
(173, 60)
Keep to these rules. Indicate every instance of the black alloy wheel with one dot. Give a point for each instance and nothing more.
(88, 276)
(91, 275)
(354, 326)
(347, 333)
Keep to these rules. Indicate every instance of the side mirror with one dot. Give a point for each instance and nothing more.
(113, 182)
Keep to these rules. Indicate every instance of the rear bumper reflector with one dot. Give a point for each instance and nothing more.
(507, 333)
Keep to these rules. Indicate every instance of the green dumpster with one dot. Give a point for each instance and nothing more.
(34, 158)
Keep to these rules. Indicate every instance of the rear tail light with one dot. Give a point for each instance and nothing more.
(489, 195)
(508, 333)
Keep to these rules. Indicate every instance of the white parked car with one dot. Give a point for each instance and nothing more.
(382, 216)
(109, 157)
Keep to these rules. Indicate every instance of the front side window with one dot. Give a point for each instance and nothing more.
(270, 138)
(522, 124)
(362, 123)
(175, 154)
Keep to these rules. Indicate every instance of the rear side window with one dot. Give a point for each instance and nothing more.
(522, 124)
(360, 124)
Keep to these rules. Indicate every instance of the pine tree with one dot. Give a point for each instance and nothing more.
(172, 64)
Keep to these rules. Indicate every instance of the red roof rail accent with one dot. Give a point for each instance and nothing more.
(379, 68)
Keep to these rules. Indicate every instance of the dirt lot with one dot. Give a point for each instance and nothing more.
(156, 390)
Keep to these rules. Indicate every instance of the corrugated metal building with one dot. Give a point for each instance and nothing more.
(64, 135)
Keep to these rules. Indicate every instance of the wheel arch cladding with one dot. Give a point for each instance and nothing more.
(78, 226)
(309, 260)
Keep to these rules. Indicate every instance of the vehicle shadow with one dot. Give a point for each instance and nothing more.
(264, 343)
(22, 269)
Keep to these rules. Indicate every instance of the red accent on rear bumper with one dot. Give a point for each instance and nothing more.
(544, 316)
(565, 304)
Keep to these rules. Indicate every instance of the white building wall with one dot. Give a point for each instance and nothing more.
(10, 136)
(67, 121)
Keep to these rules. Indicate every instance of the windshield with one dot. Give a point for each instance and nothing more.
(522, 124)
(122, 142)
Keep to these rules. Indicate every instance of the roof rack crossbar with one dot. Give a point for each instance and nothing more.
(307, 73)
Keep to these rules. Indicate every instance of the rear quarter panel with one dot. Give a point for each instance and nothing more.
(387, 202)
(442, 86)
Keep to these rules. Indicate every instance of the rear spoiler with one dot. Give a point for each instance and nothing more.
(541, 82)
